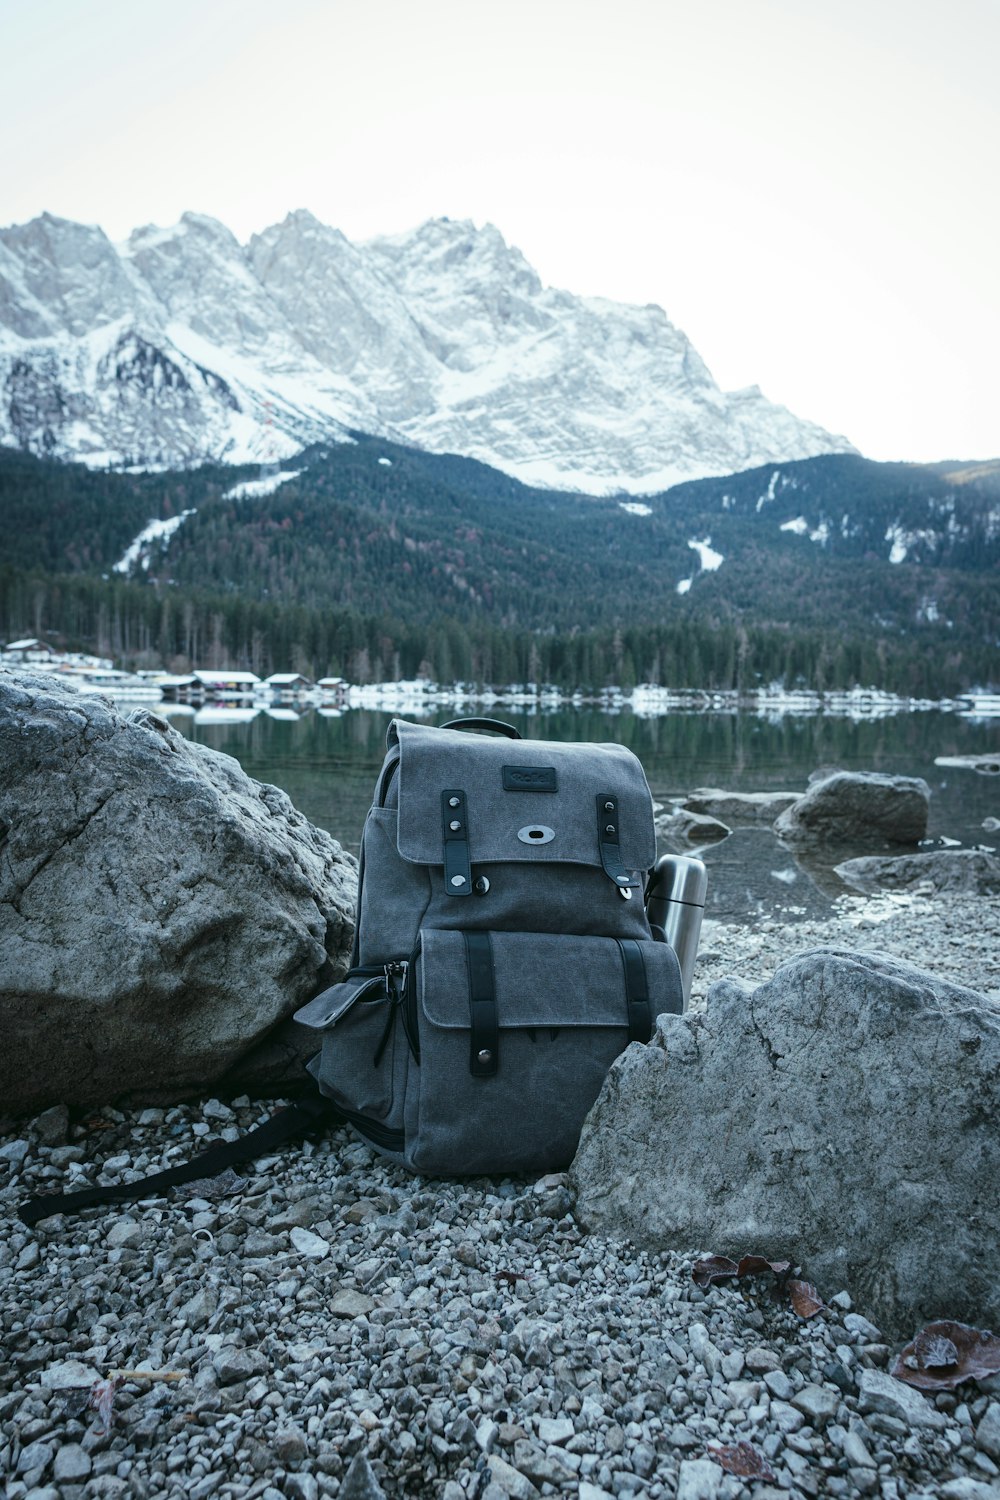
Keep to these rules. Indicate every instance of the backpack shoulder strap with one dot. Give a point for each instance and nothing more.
(298, 1119)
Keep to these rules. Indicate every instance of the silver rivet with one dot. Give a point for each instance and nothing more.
(458, 880)
(610, 828)
(609, 807)
(454, 802)
(454, 825)
(485, 1055)
(481, 886)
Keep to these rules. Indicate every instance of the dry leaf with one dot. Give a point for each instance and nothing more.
(102, 1400)
(806, 1300)
(756, 1265)
(741, 1459)
(211, 1188)
(713, 1268)
(721, 1268)
(944, 1354)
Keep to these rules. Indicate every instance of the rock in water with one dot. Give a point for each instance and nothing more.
(160, 912)
(968, 871)
(863, 808)
(842, 1116)
(739, 807)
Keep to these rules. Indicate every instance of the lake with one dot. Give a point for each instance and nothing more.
(328, 763)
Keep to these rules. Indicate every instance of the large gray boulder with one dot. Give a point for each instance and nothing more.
(843, 1116)
(738, 808)
(160, 912)
(859, 808)
(960, 871)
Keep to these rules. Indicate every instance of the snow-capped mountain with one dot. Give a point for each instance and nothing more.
(182, 345)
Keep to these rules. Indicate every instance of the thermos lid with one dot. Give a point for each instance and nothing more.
(680, 877)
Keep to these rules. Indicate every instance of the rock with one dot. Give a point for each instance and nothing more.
(35, 1458)
(968, 1489)
(72, 1464)
(124, 1232)
(862, 1328)
(882, 1393)
(738, 807)
(199, 1308)
(311, 1245)
(988, 1431)
(52, 1125)
(817, 1403)
(350, 1304)
(970, 871)
(67, 1375)
(555, 1429)
(301, 1487)
(860, 808)
(698, 1479)
(691, 828)
(234, 1365)
(160, 912)
(511, 1480)
(988, 765)
(856, 1451)
(893, 1196)
(359, 1482)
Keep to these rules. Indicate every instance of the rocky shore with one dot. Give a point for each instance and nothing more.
(327, 1325)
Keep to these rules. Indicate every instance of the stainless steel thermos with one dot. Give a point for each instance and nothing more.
(676, 903)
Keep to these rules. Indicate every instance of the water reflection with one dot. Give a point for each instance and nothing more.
(327, 761)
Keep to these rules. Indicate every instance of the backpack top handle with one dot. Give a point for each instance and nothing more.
(484, 726)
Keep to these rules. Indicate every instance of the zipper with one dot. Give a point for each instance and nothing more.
(374, 1130)
(388, 782)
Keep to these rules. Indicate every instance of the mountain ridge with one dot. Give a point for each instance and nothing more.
(182, 346)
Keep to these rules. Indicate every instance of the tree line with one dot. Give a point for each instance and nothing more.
(177, 629)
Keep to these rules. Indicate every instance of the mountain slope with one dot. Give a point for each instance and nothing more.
(183, 346)
(831, 542)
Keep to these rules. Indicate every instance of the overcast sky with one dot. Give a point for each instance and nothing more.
(808, 187)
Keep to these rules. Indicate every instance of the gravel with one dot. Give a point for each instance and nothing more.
(328, 1326)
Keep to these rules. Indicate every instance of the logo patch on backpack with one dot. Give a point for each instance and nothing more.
(529, 779)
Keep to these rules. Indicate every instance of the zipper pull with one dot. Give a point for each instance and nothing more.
(393, 973)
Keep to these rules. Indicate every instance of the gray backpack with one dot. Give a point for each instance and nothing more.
(502, 960)
(502, 956)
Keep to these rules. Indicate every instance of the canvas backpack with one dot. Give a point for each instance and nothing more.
(502, 955)
(502, 960)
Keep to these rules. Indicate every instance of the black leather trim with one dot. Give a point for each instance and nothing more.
(457, 869)
(608, 841)
(640, 1011)
(484, 1037)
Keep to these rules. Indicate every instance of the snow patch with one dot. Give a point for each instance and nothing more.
(709, 559)
(800, 526)
(684, 585)
(255, 489)
(160, 531)
(636, 508)
(387, 462)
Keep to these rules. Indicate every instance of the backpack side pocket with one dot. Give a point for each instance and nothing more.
(361, 1023)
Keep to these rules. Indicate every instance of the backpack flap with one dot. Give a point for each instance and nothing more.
(466, 800)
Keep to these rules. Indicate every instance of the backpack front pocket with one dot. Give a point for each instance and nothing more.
(361, 1023)
(517, 1033)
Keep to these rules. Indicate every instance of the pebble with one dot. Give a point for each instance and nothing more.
(988, 1431)
(344, 1331)
(309, 1244)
